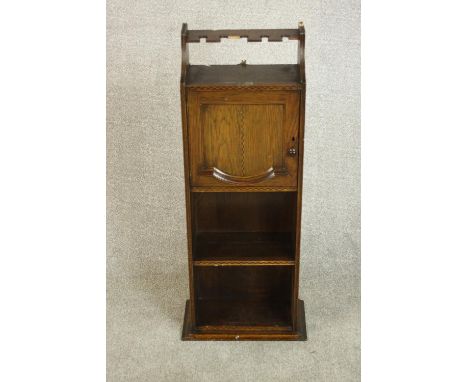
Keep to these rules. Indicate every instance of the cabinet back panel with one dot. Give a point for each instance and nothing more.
(244, 283)
(244, 212)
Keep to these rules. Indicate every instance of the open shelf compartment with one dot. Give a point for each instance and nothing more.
(241, 248)
(235, 229)
(247, 297)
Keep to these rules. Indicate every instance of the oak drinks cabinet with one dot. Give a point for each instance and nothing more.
(243, 133)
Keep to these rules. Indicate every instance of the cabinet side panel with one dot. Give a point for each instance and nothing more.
(188, 208)
(300, 171)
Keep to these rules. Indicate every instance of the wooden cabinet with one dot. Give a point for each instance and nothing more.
(243, 130)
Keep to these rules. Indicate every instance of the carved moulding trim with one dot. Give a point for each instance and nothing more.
(220, 263)
(245, 87)
(243, 189)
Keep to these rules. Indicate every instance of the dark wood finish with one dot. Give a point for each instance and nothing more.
(243, 75)
(253, 333)
(243, 131)
(259, 284)
(239, 248)
(301, 63)
(243, 314)
(185, 138)
(244, 211)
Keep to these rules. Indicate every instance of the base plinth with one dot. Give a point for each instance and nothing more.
(233, 333)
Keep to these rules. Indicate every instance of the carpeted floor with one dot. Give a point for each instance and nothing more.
(147, 259)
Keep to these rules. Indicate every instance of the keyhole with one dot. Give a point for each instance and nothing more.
(293, 138)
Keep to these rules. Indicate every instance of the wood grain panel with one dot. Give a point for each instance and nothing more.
(243, 140)
(221, 138)
(262, 133)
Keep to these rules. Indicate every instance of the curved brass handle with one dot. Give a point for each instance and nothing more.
(218, 174)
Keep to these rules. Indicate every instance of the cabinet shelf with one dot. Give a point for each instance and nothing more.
(243, 261)
(243, 248)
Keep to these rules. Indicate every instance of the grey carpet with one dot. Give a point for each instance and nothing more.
(147, 262)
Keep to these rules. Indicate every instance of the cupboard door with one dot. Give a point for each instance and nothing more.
(243, 138)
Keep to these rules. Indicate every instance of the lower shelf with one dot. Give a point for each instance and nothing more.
(215, 313)
(228, 332)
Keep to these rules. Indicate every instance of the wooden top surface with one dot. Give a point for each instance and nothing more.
(242, 75)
